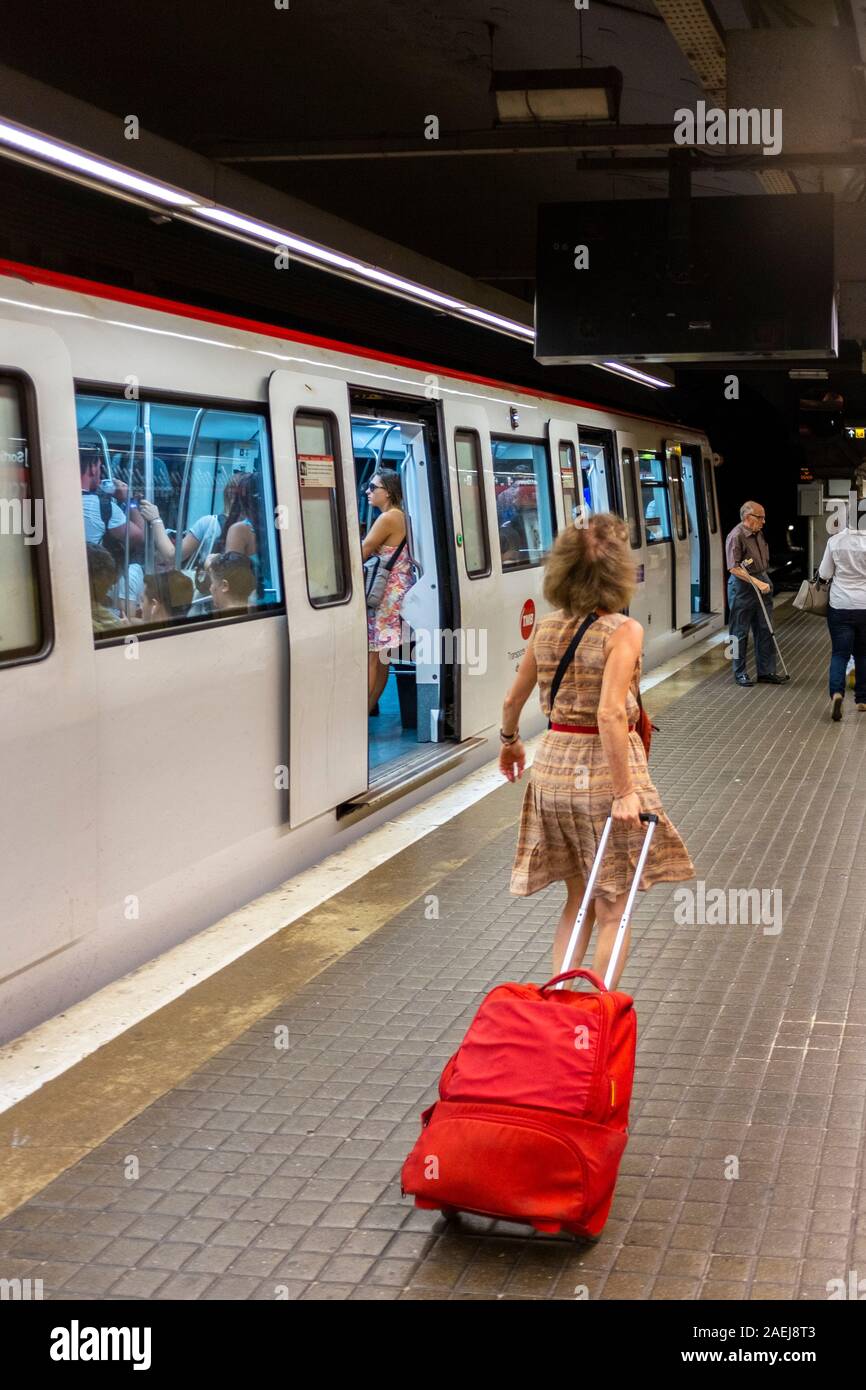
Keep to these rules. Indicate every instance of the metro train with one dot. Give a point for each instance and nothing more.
(160, 771)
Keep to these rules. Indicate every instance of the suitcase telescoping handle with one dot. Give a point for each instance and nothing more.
(651, 821)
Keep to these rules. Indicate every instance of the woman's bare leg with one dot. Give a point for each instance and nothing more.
(377, 677)
(609, 914)
(575, 888)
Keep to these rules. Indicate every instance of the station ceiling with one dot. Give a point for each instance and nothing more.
(320, 99)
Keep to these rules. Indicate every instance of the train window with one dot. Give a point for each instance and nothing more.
(179, 514)
(470, 489)
(630, 494)
(676, 465)
(322, 509)
(568, 475)
(708, 488)
(22, 534)
(656, 516)
(524, 505)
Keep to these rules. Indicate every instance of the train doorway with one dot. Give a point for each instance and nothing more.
(415, 710)
(600, 493)
(696, 521)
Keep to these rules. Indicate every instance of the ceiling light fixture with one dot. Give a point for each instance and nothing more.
(557, 95)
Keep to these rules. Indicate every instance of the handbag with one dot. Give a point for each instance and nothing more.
(813, 596)
(645, 727)
(377, 572)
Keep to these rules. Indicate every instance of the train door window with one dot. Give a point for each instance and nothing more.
(568, 475)
(524, 501)
(657, 522)
(630, 496)
(596, 488)
(676, 465)
(711, 500)
(22, 534)
(473, 518)
(179, 515)
(322, 511)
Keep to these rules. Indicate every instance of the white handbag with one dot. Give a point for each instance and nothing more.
(813, 596)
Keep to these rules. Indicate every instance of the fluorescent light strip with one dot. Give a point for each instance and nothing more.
(55, 154)
(274, 237)
(96, 168)
(643, 377)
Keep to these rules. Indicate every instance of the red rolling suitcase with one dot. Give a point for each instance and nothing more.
(532, 1118)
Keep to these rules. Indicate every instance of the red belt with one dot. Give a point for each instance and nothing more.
(582, 728)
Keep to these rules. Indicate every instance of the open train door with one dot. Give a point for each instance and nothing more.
(682, 562)
(649, 560)
(324, 588)
(473, 505)
(565, 461)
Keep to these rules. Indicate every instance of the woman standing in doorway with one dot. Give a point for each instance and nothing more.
(591, 763)
(387, 539)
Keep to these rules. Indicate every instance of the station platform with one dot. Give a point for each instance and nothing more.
(173, 1164)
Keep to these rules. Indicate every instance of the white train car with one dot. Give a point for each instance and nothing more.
(158, 775)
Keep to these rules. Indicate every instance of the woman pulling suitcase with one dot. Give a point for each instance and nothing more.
(591, 763)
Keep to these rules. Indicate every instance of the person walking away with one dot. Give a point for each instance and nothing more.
(844, 564)
(591, 762)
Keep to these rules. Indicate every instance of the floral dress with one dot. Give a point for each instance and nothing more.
(384, 624)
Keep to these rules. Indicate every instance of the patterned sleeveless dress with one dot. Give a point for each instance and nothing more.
(569, 794)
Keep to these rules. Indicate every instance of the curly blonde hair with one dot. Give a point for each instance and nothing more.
(590, 567)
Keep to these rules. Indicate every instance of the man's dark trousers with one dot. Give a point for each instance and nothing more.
(745, 614)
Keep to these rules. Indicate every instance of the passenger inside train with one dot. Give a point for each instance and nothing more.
(166, 596)
(394, 507)
(151, 470)
(231, 579)
(102, 573)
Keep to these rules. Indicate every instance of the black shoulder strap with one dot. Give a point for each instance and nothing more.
(391, 562)
(567, 658)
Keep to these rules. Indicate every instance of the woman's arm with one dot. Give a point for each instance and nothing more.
(162, 542)
(512, 756)
(241, 539)
(827, 567)
(384, 531)
(623, 651)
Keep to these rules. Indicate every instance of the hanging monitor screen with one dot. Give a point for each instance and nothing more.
(716, 279)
